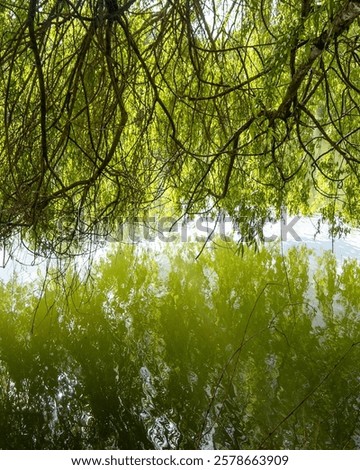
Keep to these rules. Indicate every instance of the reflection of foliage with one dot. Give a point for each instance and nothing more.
(107, 106)
(226, 351)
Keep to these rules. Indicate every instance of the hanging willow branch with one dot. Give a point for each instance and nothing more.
(108, 107)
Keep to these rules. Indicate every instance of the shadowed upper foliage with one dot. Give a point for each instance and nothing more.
(110, 108)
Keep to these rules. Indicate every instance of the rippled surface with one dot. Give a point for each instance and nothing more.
(225, 352)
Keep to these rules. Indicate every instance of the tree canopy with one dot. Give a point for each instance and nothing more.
(111, 108)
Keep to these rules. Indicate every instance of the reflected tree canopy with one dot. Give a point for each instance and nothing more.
(160, 351)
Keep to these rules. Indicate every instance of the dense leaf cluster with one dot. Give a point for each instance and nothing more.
(109, 108)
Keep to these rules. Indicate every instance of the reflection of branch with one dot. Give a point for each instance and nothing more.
(235, 354)
(324, 379)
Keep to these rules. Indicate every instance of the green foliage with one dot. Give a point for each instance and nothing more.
(162, 351)
(235, 106)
